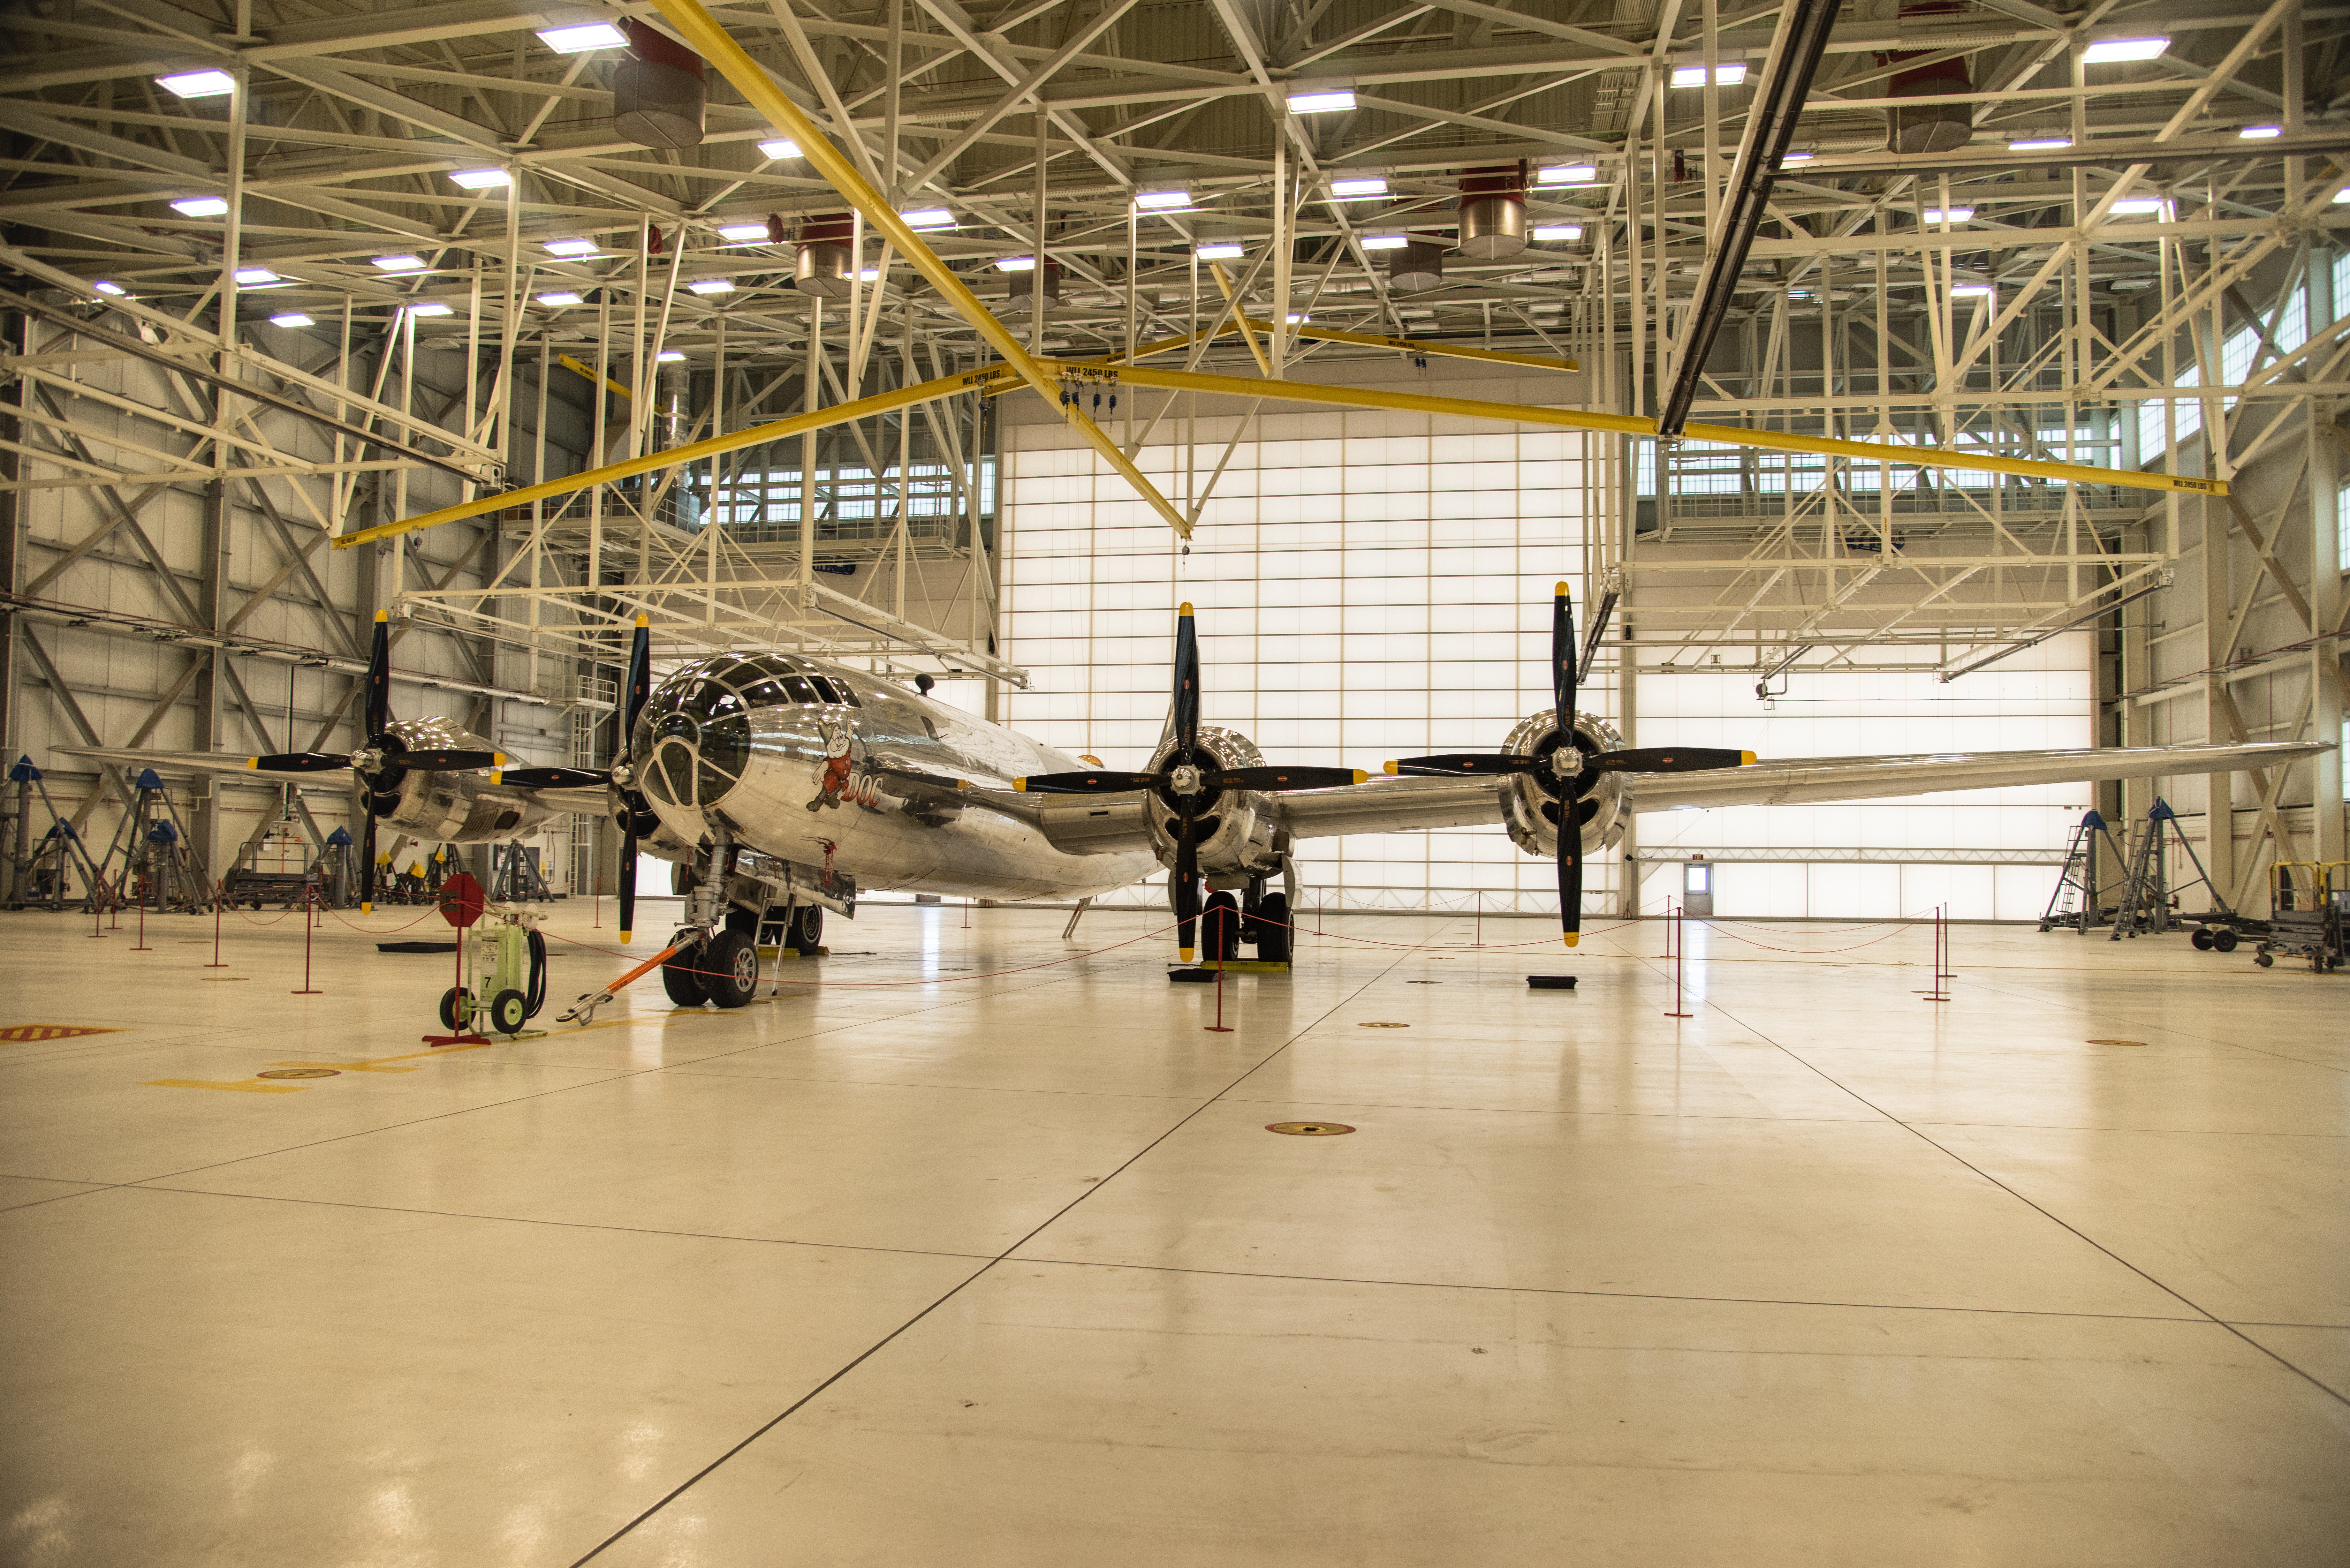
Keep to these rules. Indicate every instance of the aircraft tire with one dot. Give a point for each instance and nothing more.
(679, 979)
(730, 966)
(1220, 929)
(1273, 943)
(806, 932)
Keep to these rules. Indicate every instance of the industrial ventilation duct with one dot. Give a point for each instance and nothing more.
(1494, 212)
(1417, 267)
(1024, 286)
(825, 260)
(659, 91)
(1934, 127)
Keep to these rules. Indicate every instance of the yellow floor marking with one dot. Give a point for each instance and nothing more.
(347, 1066)
(26, 1033)
(242, 1089)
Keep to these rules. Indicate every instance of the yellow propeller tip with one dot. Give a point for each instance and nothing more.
(366, 909)
(625, 935)
(643, 619)
(1746, 759)
(1573, 937)
(1184, 954)
(1183, 608)
(1387, 767)
(383, 614)
(1360, 776)
(253, 762)
(501, 759)
(1560, 591)
(1020, 784)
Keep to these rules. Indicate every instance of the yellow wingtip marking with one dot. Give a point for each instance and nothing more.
(1573, 937)
(1746, 759)
(1387, 767)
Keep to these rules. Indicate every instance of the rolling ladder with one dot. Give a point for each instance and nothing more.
(2075, 900)
(2147, 894)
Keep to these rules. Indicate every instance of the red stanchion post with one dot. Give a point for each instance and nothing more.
(1680, 943)
(1935, 992)
(309, 902)
(216, 963)
(142, 947)
(1481, 920)
(98, 911)
(1216, 934)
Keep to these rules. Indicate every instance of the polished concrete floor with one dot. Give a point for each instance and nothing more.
(929, 1262)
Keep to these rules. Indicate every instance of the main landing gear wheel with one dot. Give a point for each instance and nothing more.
(804, 932)
(1220, 929)
(456, 1010)
(681, 979)
(2203, 939)
(509, 1011)
(2224, 942)
(1272, 933)
(730, 966)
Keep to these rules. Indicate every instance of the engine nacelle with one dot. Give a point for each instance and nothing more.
(1236, 832)
(1531, 802)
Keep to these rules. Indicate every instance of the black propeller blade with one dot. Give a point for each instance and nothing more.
(633, 803)
(1624, 759)
(551, 778)
(452, 761)
(1205, 778)
(301, 762)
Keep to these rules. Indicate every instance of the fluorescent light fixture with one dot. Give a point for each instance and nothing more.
(1222, 250)
(1163, 201)
(1567, 174)
(1355, 190)
(711, 285)
(199, 84)
(1972, 291)
(2341, 198)
(557, 297)
(1016, 264)
(1386, 241)
(2140, 206)
(1550, 232)
(429, 307)
(869, 274)
(482, 179)
(291, 318)
(574, 247)
(1797, 158)
(780, 147)
(1297, 319)
(2110, 51)
(581, 37)
(1328, 100)
(105, 286)
(669, 356)
(1730, 73)
(399, 264)
(2259, 133)
(2040, 144)
(928, 218)
(250, 275)
(201, 206)
(1947, 215)
(739, 232)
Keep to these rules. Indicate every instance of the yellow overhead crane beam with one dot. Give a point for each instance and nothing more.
(568, 363)
(702, 34)
(1332, 335)
(1000, 378)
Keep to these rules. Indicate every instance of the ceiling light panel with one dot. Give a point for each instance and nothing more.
(2113, 51)
(582, 39)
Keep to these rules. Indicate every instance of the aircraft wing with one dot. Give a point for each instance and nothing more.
(1800, 780)
(1402, 805)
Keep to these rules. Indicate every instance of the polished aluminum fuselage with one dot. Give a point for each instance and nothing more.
(888, 814)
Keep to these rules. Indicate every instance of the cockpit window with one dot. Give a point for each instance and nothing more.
(799, 689)
(824, 688)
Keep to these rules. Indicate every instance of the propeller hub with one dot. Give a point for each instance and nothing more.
(1567, 762)
(1184, 779)
(623, 774)
(367, 759)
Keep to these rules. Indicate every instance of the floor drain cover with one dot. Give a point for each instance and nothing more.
(1423, 982)
(1309, 1129)
(301, 1073)
(2116, 1042)
(1382, 1025)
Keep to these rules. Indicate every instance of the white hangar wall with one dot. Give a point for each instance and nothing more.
(1372, 584)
